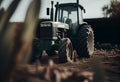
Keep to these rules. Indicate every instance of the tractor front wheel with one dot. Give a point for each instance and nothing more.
(66, 51)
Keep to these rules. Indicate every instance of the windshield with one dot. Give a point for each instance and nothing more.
(70, 14)
(66, 14)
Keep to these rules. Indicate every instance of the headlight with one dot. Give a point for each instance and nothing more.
(45, 25)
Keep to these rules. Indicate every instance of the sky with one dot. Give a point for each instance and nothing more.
(93, 8)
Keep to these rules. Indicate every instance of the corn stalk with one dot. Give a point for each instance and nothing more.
(28, 31)
(11, 53)
(6, 41)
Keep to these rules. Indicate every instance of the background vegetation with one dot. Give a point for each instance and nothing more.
(112, 10)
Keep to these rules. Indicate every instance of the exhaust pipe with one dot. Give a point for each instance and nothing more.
(77, 1)
(52, 11)
(56, 11)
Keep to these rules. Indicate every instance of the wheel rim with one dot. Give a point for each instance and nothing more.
(90, 43)
(65, 51)
(69, 51)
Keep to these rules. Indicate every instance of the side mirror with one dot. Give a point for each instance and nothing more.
(84, 10)
(48, 11)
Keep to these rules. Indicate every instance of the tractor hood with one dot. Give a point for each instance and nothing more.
(60, 25)
(54, 24)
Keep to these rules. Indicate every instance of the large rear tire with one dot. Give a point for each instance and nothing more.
(85, 42)
(65, 51)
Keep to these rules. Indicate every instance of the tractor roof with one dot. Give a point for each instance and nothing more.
(65, 6)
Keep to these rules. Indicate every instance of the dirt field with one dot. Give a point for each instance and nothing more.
(104, 66)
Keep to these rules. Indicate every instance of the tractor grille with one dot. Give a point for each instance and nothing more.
(46, 32)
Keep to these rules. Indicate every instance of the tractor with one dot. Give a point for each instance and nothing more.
(64, 32)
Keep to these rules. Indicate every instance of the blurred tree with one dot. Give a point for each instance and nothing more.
(112, 10)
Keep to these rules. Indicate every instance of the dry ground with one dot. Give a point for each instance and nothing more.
(104, 66)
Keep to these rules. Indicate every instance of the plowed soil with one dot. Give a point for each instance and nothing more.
(103, 66)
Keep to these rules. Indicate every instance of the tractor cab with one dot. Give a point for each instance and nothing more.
(69, 13)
